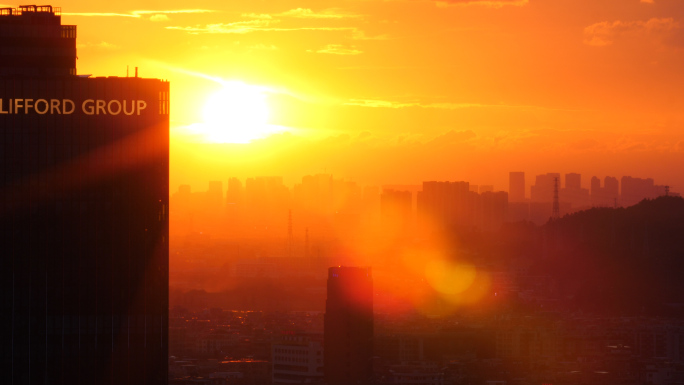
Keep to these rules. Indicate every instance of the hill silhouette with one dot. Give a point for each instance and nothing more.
(625, 260)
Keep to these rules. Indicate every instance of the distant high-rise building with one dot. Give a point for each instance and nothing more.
(214, 196)
(447, 203)
(542, 190)
(573, 193)
(636, 189)
(611, 188)
(573, 181)
(493, 209)
(348, 326)
(396, 207)
(516, 186)
(298, 359)
(84, 203)
(234, 193)
(486, 188)
(606, 196)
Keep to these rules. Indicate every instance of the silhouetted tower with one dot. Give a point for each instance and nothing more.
(348, 326)
(667, 191)
(84, 202)
(556, 206)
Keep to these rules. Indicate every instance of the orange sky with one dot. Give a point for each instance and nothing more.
(383, 91)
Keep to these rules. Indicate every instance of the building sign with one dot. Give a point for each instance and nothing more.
(68, 107)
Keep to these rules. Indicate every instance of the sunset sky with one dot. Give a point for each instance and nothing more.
(389, 92)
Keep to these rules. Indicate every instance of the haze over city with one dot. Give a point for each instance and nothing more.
(415, 90)
(338, 192)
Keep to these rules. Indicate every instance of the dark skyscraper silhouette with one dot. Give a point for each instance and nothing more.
(35, 43)
(348, 339)
(83, 214)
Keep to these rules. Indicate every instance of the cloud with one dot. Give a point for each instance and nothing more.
(239, 27)
(159, 17)
(453, 136)
(605, 33)
(360, 35)
(306, 13)
(102, 45)
(378, 103)
(257, 15)
(138, 13)
(172, 11)
(483, 3)
(103, 14)
(338, 49)
(247, 26)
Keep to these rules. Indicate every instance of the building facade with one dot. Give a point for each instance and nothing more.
(298, 359)
(348, 326)
(84, 165)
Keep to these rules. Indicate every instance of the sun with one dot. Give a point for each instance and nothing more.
(238, 113)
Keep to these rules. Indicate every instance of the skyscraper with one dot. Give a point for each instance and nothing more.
(348, 326)
(542, 190)
(516, 186)
(83, 213)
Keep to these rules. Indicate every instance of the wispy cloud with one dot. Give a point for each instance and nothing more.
(159, 17)
(264, 47)
(379, 103)
(605, 33)
(100, 14)
(360, 35)
(247, 26)
(172, 11)
(338, 49)
(138, 13)
(483, 3)
(102, 45)
(257, 15)
(238, 27)
(307, 13)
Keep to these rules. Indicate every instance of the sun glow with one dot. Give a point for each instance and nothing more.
(238, 113)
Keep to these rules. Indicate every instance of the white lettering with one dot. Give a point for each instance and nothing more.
(47, 106)
(88, 107)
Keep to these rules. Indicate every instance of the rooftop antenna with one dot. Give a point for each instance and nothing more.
(136, 72)
(126, 70)
(667, 191)
(556, 206)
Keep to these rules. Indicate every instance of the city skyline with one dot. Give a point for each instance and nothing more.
(465, 89)
(441, 192)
